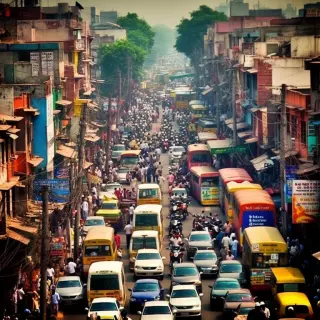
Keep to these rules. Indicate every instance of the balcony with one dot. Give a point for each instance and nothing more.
(298, 99)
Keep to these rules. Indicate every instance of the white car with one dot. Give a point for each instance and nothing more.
(70, 289)
(156, 310)
(185, 301)
(105, 308)
(148, 263)
(91, 222)
(176, 152)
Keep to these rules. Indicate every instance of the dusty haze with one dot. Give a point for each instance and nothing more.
(167, 12)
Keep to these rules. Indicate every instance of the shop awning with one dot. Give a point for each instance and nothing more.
(262, 163)
(18, 237)
(307, 168)
(8, 185)
(240, 125)
(205, 92)
(4, 127)
(253, 110)
(66, 152)
(31, 109)
(244, 134)
(99, 125)
(220, 146)
(14, 130)
(4, 117)
(87, 165)
(35, 161)
(252, 70)
(13, 136)
(92, 138)
(229, 121)
(316, 255)
(251, 140)
(64, 102)
(55, 112)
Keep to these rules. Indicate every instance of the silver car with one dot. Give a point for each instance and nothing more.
(176, 152)
(198, 240)
(232, 269)
(122, 175)
(70, 289)
(206, 262)
(186, 273)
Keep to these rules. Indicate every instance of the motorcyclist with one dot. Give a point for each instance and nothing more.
(175, 240)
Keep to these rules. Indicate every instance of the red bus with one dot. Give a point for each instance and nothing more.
(230, 175)
(252, 208)
(199, 155)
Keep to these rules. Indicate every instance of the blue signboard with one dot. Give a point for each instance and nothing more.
(61, 173)
(291, 174)
(257, 219)
(59, 190)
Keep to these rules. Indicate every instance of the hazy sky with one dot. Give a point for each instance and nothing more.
(167, 12)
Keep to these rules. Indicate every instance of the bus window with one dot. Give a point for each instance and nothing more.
(144, 243)
(209, 181)
(200, 157)
(96, 251)
(195, 179)
(148, 193)
(143, 220)
(104, 282)
(260, 260)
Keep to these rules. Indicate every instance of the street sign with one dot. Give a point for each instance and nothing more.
(290, 174)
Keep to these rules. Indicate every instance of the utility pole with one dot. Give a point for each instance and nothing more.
(218, 97)
(108, 133)
(119, 107)
(44, 252)
(129, 80)
(83, 125)
(234, 108)
(283, 128)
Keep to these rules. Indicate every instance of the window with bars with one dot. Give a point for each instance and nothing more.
(303, 132)
(294, 126)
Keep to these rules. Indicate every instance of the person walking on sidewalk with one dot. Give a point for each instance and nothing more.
(128, 230)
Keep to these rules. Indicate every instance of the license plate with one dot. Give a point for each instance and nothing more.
(68, 302)
(184, 314)
(207, 271)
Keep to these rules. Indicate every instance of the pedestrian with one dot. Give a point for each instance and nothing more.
(50, 273)
(265, 310)
(131, 212)
(225, 241)
(117, 239)
(219, 238)
(256, 313)
(71, 267)
(128, 177)
(128, 230)
(84, 209)
(55, 299)
(234, 247)
(229, 256)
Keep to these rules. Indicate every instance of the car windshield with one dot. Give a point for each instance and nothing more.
(104, 306)
(178, 149)
(148, 256)
(205, 256)
(235, 297)
(118, 148)
(187, 293)
(179, 192)
(94, 222)
(149, 220)
(68, 284)
(108, 205)
(123, 171)
(200, 237)
(230, 268)
(226, 285)
(144, 243)
(245, 311)
(185, 271)
(146, 286)
(129, 160)
(156, 310)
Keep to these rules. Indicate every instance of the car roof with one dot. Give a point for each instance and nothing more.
(184, 264)
(95, 218)
(248, 304)
(231, 262)
(177, 189)
(156, 303)
(239, 291)
(227, 279)
(148, 251)
(199, 232)
(105, 300)
(147, 281)
(205, 251)
(184, 287)
(68, 278)
(147, 233)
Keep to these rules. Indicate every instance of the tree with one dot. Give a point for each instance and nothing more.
(191, 32)
(116, 58)
(137, 29)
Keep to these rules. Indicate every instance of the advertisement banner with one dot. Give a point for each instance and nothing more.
(61, 173)
(209, 193)
(305, 201)
(59, 190)
(257, 218)
(291, 174)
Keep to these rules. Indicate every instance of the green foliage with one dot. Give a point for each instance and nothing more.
(191, 31)
(137, 29)
(116, 58)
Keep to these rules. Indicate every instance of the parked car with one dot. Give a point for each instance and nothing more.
(236, 297)
(185, 300)
(184, 274)
(70, 289)
(156, 310)
(198, 240)
(117, 149)
(232, 269)
(206, 262)
(105, 308)
(145, 290)
(219, 290)
(91, 222)
(148, 263)
(108, 189)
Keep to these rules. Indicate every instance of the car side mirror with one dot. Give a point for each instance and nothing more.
(174, 311)
(121, 308)
(186, 239)
(210, 287)
(130, 290)
(139, 312)
(200, 295)
(168, 296)
(201, 273)
(191, 258)
(86, 309)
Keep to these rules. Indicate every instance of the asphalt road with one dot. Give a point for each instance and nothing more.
(77, 313)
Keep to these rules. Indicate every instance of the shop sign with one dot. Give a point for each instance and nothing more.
(57, 249)
(257, 219)
(59, 190)
(291, 174)
(305, 201)
(61, 173)
(228, 150)
(209, 193)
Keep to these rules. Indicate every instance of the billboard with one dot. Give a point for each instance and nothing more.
(305, 201)
(291, 174)
(59, 190)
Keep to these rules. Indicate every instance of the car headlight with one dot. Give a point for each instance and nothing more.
(160, 267)
(215, 266)
(133, 299)
(197, 282)
(197, 306)
(138, 267)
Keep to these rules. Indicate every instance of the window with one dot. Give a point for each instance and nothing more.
(109, 206)
(148, 193)
(103, 306)
(209, 181)
(104, 282)
(69, 284)
(97, 251)
(148, 256)
(303, 132)
(144, 243)
(143, 220)
(288, 123)
(201, 157)
(294, 126)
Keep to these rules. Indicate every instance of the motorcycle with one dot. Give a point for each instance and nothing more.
(176, 255)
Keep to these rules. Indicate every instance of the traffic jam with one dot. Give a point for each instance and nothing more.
(179, 232)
